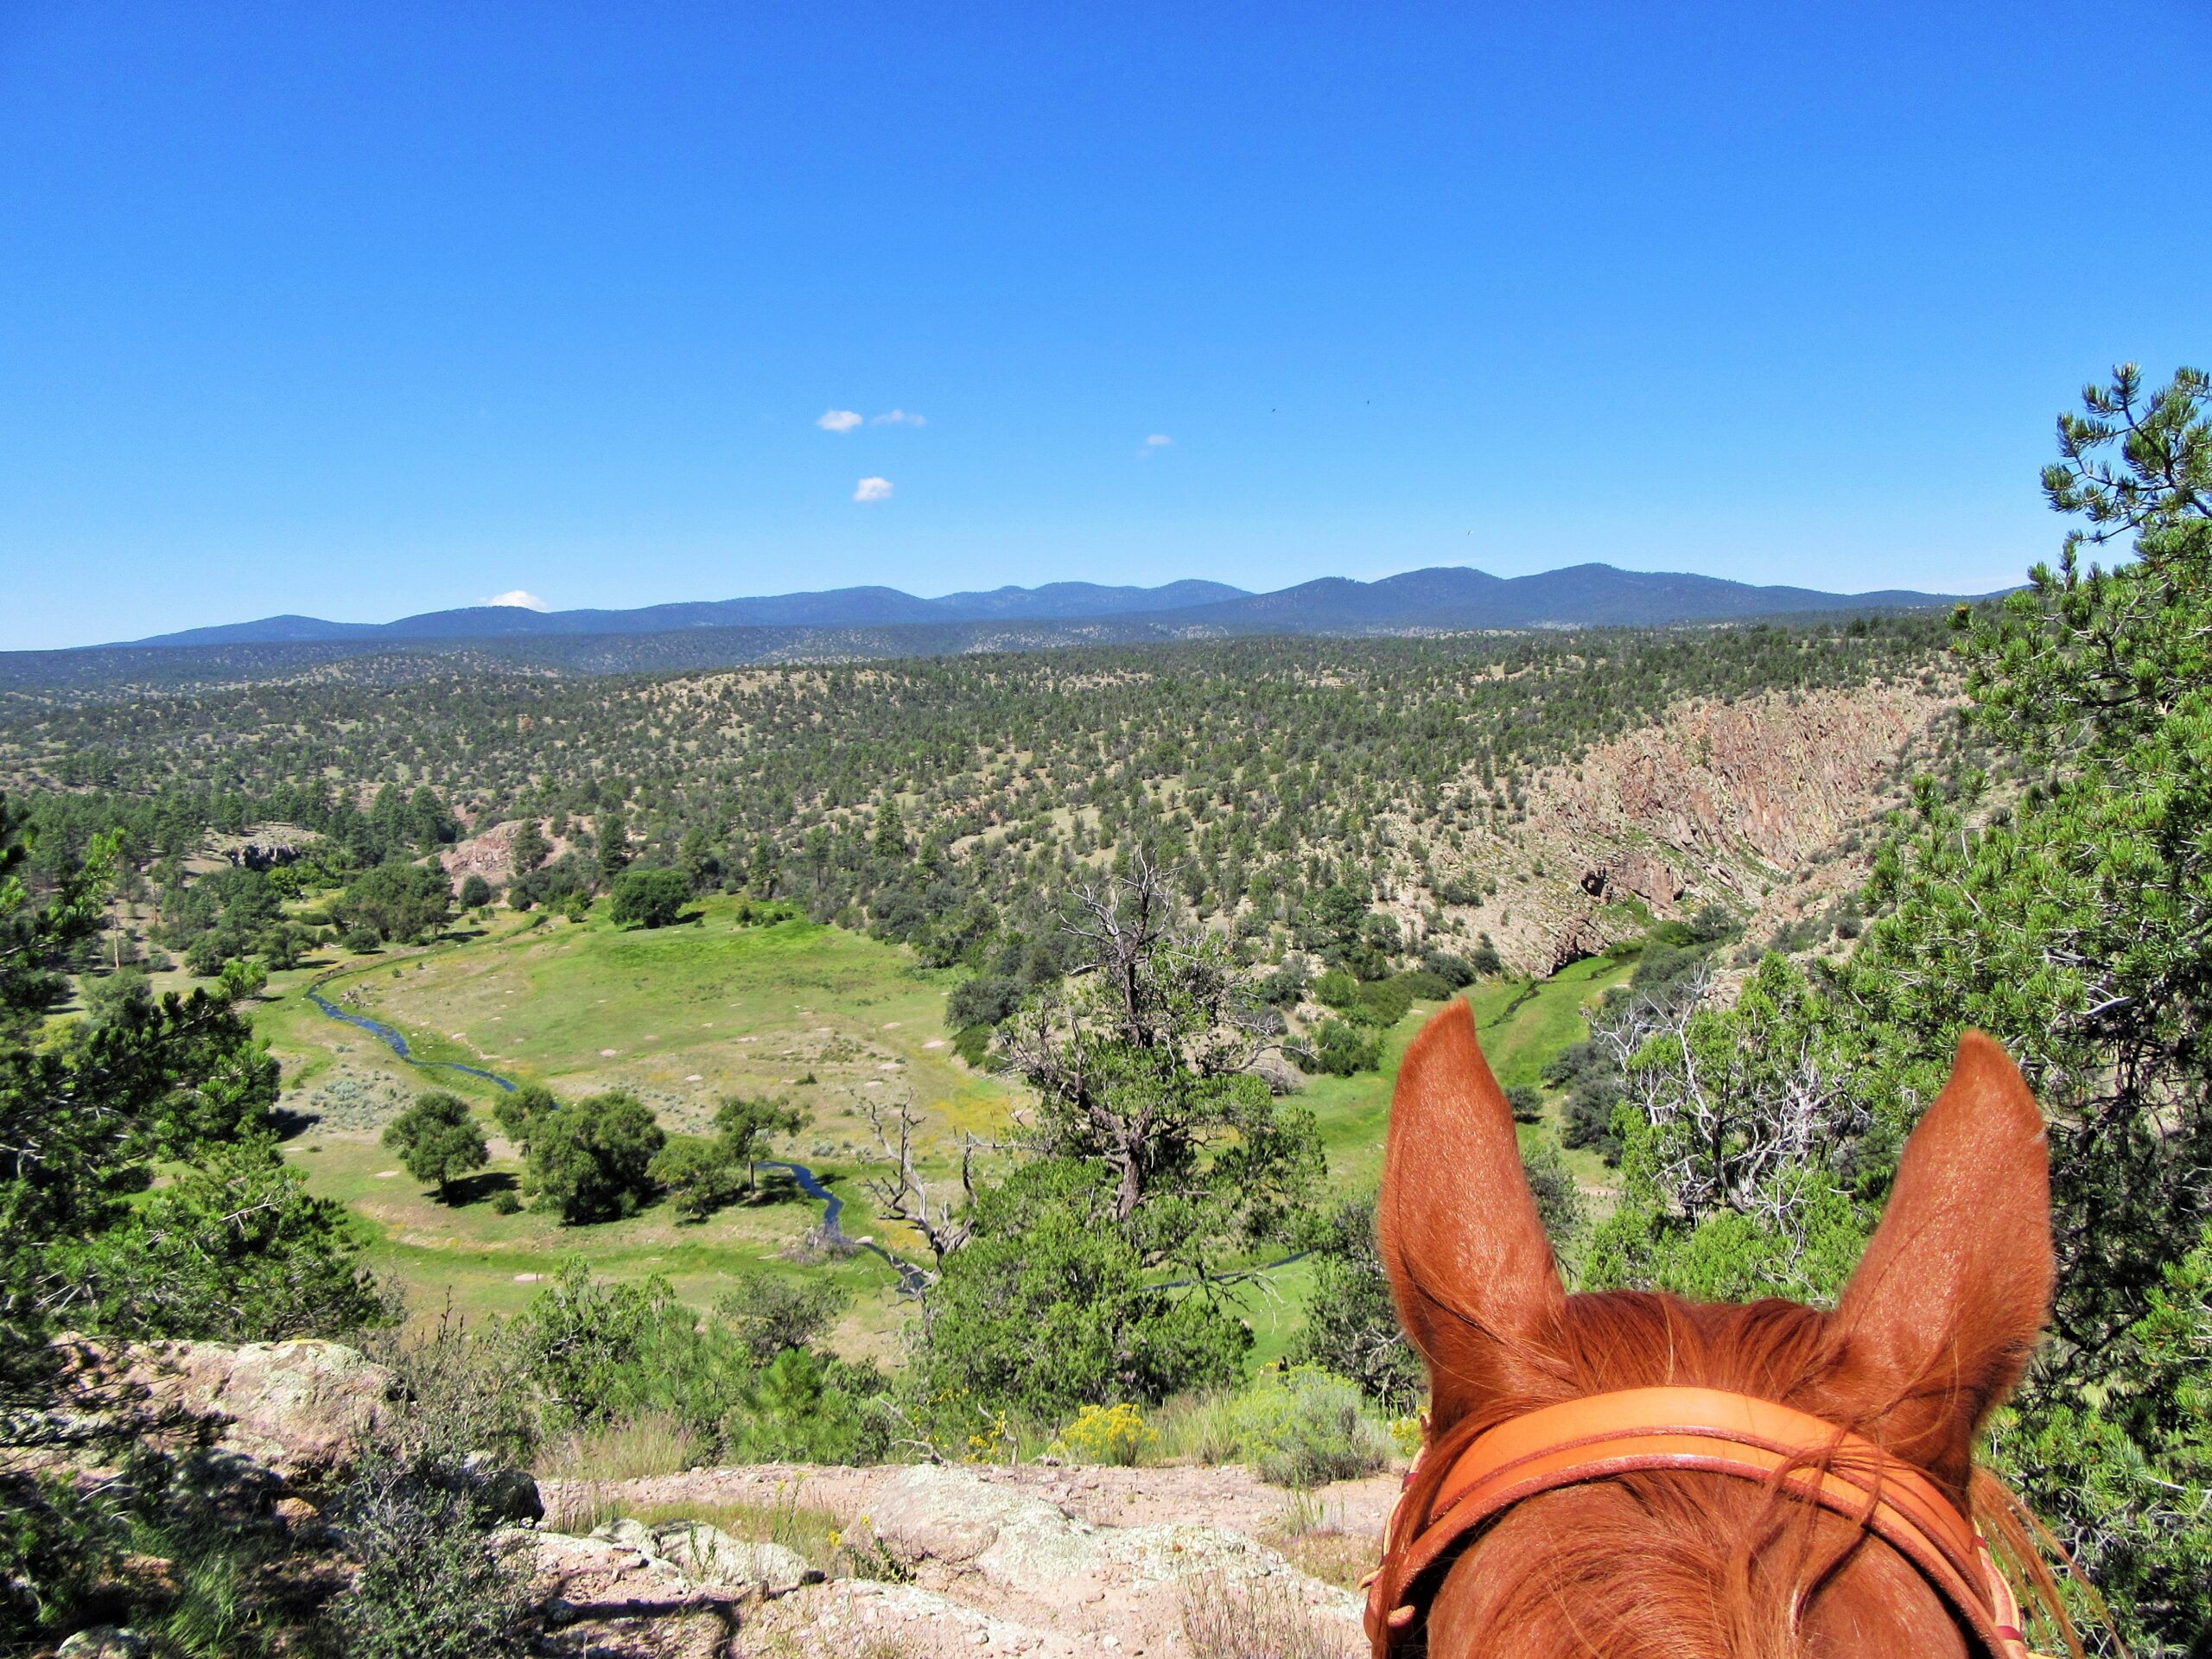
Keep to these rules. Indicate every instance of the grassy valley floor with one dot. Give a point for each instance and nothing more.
(831, 1020)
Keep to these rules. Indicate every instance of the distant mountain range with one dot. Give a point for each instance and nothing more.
(1448, 598)
(840, 607)
(858, 623)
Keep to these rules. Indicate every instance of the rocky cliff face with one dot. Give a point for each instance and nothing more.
(1746, 804)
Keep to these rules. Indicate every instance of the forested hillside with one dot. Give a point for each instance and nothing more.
(944, 801)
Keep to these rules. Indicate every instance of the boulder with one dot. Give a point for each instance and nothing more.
(506, 1494)
(1022, 1543)
(700, 1555)
(104, 1642)
(294, 1411)
(709, 1555)
(932, 1513)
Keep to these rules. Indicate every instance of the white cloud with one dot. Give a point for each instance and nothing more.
(1155, 444)
(901, 417)
(519, 597)
(872, 489)
(839, 420)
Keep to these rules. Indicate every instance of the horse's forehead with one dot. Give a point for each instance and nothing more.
(1623, 1339)
(1675, 1567)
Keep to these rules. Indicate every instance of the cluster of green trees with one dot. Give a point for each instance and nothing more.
(599, 1158)
(751, 1382)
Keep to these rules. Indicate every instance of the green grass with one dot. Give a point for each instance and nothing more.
(696, 1012)
(1521, 1025)
(691, 1013)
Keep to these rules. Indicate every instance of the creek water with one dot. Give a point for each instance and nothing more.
(911, 1278)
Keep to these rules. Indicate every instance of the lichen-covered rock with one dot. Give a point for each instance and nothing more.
(838, 1619)
(106, 1642)
(1024, 1544)
(709, 1555)
(703, 1555)
(299, 1410)
(930, 1513)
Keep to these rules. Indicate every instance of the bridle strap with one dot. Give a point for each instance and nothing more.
(1453, 1490)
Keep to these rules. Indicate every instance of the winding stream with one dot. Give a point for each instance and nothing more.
(397, 1044)
(911, 1278)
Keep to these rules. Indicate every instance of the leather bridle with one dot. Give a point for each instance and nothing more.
(1461, 1482)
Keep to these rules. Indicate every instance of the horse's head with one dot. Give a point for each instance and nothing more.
(1930, 1335)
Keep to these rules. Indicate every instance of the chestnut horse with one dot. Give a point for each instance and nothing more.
(1930, 1336)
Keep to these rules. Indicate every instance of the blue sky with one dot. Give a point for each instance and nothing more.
(357, 311)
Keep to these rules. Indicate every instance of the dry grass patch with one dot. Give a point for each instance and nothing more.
(655, 1443)
(1338, 1558)
(1316, 1542)
(1262, 1619)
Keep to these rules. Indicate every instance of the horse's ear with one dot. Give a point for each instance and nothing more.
(1457, 1227)
(1939, 1318)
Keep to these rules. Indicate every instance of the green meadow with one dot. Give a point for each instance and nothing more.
(830, 1020)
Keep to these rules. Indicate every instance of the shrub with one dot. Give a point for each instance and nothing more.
(1342, 1050)
(112, 999)
(1454, 970)
(1382, 1004)
(597, 1353)
(698, 1175)
(1304, 1427)
(361, 941)
(1526, 1102)
(608, 1362)
(1336, 989)
(1115, 1435)
(971, 1043)
(1715, 924)
(648, 898)
(205, 956)
(983, 1000)
(799, 1408)
(768, 1315)
(57, 1546)
(1286, 985)
(592, 1161)
(1046, 1308)
(1422, 985)
(433, 1582)
(437, 1141)
(1351, 1327)
(1558, 1201)
(475, 892)
(1589, 1117)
